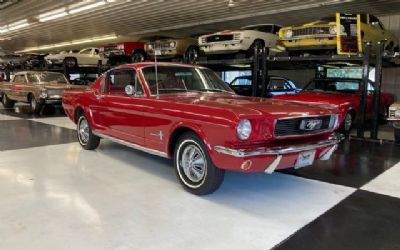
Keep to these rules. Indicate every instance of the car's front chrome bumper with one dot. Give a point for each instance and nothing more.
(280, 150)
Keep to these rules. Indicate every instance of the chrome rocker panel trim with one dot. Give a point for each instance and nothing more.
(279, 150)
(132, 145)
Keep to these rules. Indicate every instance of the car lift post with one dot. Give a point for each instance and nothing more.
(377, 90)
(264, 70)
(256, 69)
(364, 93)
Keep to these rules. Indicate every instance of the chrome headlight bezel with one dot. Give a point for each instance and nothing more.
(288, 33)
(332, 30)
(244, 129)
(397, 113)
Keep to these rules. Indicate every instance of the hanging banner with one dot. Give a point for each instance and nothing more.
(348, 29)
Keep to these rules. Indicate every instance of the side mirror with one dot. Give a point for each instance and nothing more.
(130, 90)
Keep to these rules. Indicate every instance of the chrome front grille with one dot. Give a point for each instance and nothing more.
(391, 113)
(55, 92)
(304, 125)
(162, 45)
(219, 38)
(311, 31)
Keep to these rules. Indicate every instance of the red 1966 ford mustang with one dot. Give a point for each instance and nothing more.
(187, 113)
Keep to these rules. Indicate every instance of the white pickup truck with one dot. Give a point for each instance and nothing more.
(88, 57)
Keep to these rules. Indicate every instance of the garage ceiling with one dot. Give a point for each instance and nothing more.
(135, 19)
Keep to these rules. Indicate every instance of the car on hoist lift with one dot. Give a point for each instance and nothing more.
(345, 95)
(321, 36)
(245, 39)
(87, 57)
(124, 52)
(188, 114)
(276, 85)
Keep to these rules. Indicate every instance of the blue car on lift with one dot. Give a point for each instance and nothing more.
(277, 85)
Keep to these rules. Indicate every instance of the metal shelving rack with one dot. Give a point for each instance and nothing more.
(261, 62)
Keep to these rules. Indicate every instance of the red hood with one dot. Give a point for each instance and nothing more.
(250, 106)
(330, 97)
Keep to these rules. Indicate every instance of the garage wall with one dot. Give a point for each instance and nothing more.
(391, 81)
(392, 23)
(391, 76)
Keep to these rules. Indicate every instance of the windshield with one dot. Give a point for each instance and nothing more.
(172, 79)
(338, 85)
(46, 77)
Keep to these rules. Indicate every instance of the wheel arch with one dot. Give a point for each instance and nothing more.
(178, 131)
(78, 111)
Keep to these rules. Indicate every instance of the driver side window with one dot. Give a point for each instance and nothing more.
(117, 80)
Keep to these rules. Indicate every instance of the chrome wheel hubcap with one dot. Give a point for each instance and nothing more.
(193, 163)
(83, 130)
(348, 122)
(33, 103)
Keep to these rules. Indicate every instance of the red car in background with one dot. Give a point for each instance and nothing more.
(187, 113)
(344, 94)
(124, 52)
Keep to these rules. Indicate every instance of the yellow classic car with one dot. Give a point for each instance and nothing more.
(394, 118)
(174, 49)
(322, 35)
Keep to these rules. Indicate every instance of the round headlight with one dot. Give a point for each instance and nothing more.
(172, 44)
(397, 113)
(243, 130)
(288, 33)
(332, 30)
(150, 46)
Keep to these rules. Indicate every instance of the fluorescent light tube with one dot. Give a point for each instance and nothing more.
(18, 25)
(86, 7)
(54, 14)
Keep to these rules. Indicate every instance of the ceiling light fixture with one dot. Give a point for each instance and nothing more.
(18, 25)
(54, 14)
(85, 7)
(231, 3)
(74, 42)
(3, 29)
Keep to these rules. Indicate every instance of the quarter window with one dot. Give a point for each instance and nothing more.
(117, 80)
(19, 79)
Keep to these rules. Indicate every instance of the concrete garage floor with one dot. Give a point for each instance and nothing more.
(54, 195)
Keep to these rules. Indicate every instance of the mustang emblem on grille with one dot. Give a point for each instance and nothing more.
(309, 125)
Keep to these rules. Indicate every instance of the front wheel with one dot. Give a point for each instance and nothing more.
(192, 54)
(35, 105)
(70, 62)
(194, 168)
(138, 56)
(86, 138)
(347, 123)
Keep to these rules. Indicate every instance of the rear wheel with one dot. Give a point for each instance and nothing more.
(193, 166)
(7, 102)
(86, 138)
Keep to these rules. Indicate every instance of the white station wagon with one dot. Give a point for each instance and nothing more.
(242, 40)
